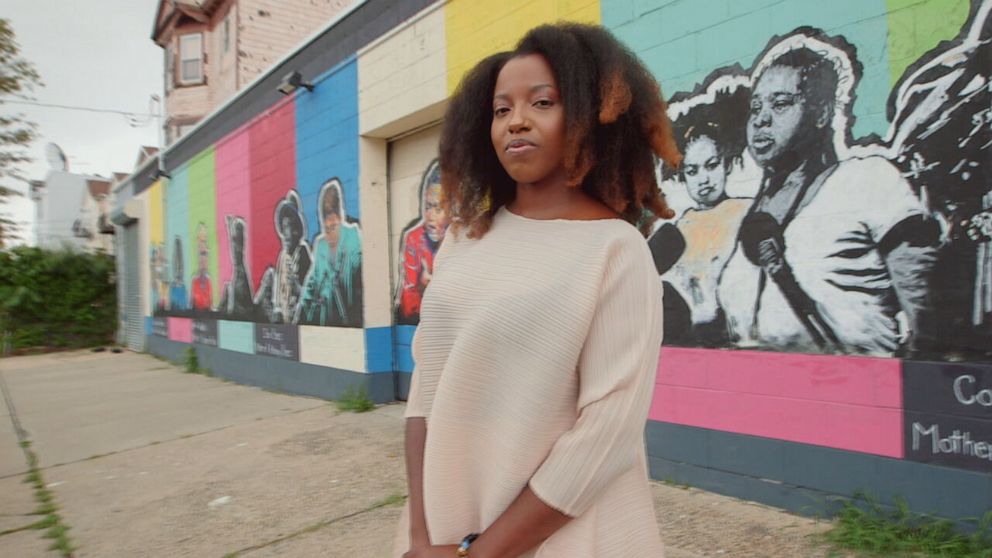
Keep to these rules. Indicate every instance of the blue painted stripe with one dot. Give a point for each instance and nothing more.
(378, 349)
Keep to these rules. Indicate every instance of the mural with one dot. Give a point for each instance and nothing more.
(322, 286)
(200, 299)
(332, 292)
(421, 240)
(794, 236)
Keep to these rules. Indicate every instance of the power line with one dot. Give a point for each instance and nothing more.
(87, 109)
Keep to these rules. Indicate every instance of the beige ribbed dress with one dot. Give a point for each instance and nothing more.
(535, 363)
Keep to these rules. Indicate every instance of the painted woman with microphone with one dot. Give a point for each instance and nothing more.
(833, 255)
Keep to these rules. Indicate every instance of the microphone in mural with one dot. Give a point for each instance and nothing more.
(762, 242)
(332, 292)
(667, 246)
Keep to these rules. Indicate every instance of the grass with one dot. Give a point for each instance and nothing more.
(192, 363)
(676, 484)
(863, 525)
(355, 401)
(52, 522)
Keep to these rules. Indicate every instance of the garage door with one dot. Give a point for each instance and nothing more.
(416, 228)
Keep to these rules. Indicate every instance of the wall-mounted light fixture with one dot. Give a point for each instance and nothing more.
(292, 82)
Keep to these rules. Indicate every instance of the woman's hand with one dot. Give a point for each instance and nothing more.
(445, 551)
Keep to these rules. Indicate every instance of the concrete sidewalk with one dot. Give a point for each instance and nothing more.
(145, 460)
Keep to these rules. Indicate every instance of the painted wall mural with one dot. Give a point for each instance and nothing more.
(793, 235)
(263, 226)
(421, 240)
(316, 284)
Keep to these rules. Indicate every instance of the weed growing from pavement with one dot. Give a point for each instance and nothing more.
(356, 401)
(674, 483)
(864, 525)
(57, 530)
(192, 361)
(393, 499)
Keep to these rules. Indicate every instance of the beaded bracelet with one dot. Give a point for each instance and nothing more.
(466, 543)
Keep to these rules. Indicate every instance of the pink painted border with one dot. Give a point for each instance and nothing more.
(181, 329)
(843, 402)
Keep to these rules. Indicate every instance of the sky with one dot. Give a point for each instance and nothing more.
(89, 54)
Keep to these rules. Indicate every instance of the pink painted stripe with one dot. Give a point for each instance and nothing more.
(181, 329)
(850, 403)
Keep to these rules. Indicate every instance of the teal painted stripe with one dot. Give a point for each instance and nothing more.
(236, 336)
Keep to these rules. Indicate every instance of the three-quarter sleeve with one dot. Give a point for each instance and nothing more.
(616, 370)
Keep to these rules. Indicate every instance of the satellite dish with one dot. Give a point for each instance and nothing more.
(56, 158)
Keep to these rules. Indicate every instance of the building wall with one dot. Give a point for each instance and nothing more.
(793, 387)
(268, 29)
(222, 66)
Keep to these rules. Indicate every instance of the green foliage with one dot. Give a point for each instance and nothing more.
(192, 361)
(52, 523)
(17, 79)
(864, 525)
(56, 299)
(355, 401)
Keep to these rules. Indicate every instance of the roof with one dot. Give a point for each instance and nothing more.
(146, 152)
(97, 187)
(197, 10)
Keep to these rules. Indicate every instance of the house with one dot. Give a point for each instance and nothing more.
(71, 210)
(213, 48)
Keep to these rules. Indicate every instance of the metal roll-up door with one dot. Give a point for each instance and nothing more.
(133, 318)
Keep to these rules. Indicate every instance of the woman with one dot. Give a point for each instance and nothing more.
(539, 335)
(713, 139)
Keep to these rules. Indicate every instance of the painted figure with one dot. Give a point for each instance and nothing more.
(177, 289)
(942, 140)
(236, 300)
(332, 294)
(159, 277)
(420, 244)
(711, 137)
(200, 284)
(293, 261)
(834, 254)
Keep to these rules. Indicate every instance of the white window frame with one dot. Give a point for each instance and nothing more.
(191, 51)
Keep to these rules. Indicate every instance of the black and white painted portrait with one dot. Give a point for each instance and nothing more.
(876, 246)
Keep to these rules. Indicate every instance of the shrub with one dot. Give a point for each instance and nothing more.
(52, 299)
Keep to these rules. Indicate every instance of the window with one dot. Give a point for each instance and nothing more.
(191, 59)
(227, 33)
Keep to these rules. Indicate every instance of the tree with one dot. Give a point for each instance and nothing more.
(17, 79)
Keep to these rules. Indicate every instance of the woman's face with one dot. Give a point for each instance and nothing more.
(528, 129)
(705, 174)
